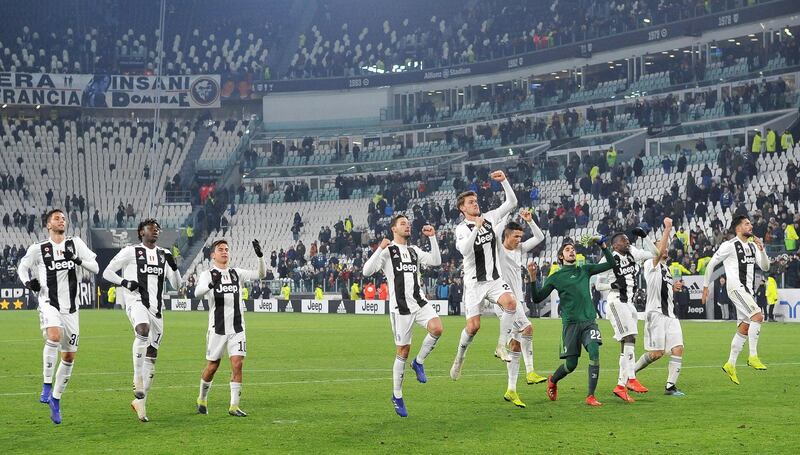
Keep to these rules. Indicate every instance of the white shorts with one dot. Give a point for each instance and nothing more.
(661, 332)
(215, 345)
(403, 323)
(474, 293)
(521, 321)
(50, 316)
(138, 314)
(624, 318)
(744, 302)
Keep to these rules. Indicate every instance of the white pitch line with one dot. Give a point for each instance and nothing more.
(481, 373)
(319, 370)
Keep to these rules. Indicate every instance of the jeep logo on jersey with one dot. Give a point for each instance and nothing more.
(484, 238)
(228, 288)
(151, 270)
(628, 269)
(370, 307)
(406, 268)
(748, 260)
(61, 264)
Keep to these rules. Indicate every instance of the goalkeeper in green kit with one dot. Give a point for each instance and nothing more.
(577, 313)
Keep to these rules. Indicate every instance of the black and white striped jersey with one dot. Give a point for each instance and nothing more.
(58, 276)
(479, 246)
(225, 304)
(739, 259)
(401, 266)
(622, 279)
(146, 266)
(659, 288)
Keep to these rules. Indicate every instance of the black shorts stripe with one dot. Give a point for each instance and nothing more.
(48, 258)
(237, 309)
(219, 305)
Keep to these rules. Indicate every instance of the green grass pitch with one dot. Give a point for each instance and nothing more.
(323, 383)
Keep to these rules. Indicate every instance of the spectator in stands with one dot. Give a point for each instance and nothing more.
(129, 212)
(787, 142)
(756, 145)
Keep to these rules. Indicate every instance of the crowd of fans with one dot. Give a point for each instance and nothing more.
(347, 42)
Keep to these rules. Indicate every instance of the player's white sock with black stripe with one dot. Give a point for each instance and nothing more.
(205, 387)
(463, 344)
(148, 372)
(643, 362)
(736, 347)
(236, 394)
(507, 323)
(752, 337)
(428, 344)
(139, 348)
(513, 370)
(629, 351)
(62, 378)
(49, 356)
(674, 370)
(398, 371)
(527, 352)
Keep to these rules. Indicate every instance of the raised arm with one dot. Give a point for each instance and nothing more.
(762, 259)
(375, 262)
(538, 235)
(511, 199)
(434, 258)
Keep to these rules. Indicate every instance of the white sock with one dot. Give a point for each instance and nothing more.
(736, 347)
(49, 356)
(643, 362)
(513, 370)
(62, 378)
(148, 371)
(204, 388)
(507, 323)
(463, 344)
(674, 369)
(527, 352)
(622, 378)
(236, 393)
(428, 344)
(398, 371)
(139, 348)
(752, 337)
(629, 351)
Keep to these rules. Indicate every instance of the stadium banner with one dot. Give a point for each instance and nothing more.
(693, 26)
(314, 306)
(181, 305)
(87, 295)
(371, 307)
(265, 305)
(788, 307)
(696, 309)
(15, 298)
(110, 91)
(334, 306)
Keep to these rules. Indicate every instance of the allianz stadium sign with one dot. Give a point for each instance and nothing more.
(109, 91)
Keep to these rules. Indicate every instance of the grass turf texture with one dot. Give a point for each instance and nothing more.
(323, 382)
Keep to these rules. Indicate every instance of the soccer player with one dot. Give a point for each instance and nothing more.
(512, 257)
(477, 242)
(225, 320)
(50, 270)
(577, 314)
(662, 329)
(739, 256)
(622, 284)
(400, 264)
(144, 268)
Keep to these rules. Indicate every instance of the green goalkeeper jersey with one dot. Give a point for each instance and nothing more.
(572, 284)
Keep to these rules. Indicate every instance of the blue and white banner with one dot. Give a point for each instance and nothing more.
(110, 91)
